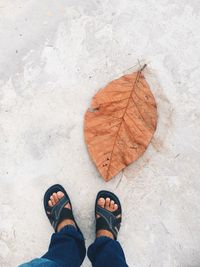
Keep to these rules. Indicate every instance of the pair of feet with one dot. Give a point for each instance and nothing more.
(107, 204)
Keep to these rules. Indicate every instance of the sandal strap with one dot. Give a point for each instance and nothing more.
(108, 220)
(56, 210)
(116, 212)
(65, 214)
(58, 213)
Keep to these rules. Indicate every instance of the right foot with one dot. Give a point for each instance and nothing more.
(109, 205)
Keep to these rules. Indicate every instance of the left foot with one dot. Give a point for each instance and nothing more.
(54, 198)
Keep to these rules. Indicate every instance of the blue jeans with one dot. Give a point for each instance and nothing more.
(67, 249)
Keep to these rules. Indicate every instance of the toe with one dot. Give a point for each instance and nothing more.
(112, 203)
(55, 196)
(60, 194)
(115, 207)
(52, 200)
(101, 202)
(107, 202)
(50, 203)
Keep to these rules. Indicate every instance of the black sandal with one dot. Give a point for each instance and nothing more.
(58, 212)
(108, 220)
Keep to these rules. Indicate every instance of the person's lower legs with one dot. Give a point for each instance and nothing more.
(67, 247)
(106, 252)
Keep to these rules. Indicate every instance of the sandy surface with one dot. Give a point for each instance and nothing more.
(54, 56)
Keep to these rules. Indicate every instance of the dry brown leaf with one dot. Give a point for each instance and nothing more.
(120, 124)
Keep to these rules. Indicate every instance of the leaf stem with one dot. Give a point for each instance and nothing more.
(145, 65)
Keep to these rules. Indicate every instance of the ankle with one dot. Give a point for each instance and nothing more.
(65, 223)
(104, 233)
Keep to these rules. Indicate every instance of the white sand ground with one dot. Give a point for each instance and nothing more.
(54, 56)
